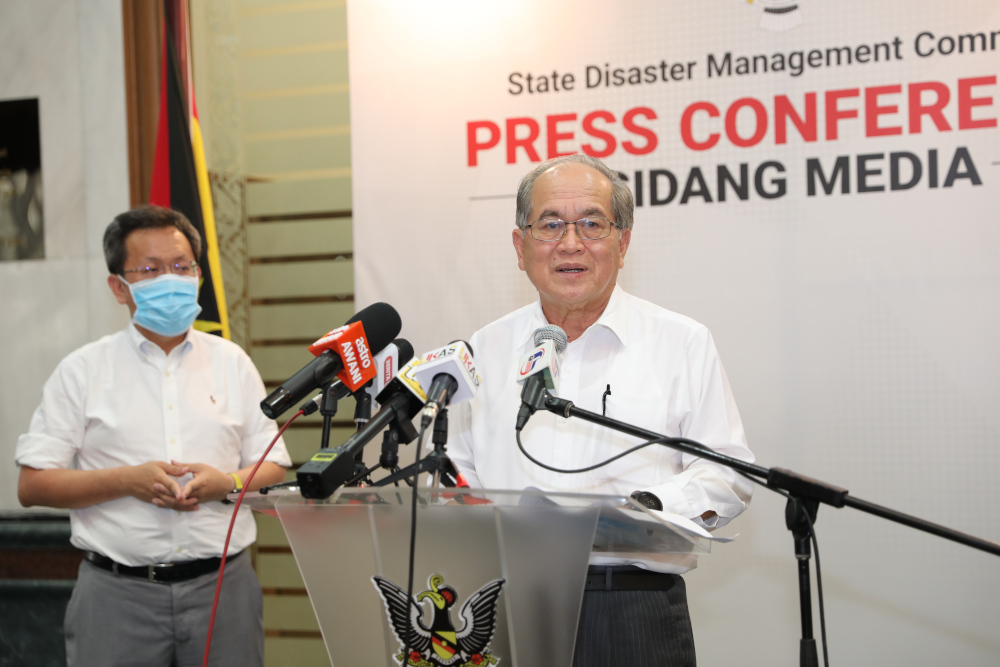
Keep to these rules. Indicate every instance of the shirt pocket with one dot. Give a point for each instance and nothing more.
(647, 466)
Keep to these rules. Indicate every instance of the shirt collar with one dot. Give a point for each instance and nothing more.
(614, 318)
(615, 315)
(146, 346)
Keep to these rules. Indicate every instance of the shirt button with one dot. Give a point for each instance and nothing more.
(180, 549)
(170, 407)
(173, 441)
(167, 374)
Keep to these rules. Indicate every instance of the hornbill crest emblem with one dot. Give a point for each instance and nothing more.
(440, 644)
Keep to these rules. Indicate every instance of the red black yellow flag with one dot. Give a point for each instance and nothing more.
(180, 178)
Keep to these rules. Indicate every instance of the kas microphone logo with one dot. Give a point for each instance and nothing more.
(529, 364)
(466, 359)
(470, 366)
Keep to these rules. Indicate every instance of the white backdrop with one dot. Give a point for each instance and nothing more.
(859, 328)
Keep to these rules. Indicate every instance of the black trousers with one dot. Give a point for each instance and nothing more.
(635, 629)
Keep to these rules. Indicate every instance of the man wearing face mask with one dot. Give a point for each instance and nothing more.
(140, 435)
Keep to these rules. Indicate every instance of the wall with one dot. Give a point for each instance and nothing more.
(271, 84)
(68, 54)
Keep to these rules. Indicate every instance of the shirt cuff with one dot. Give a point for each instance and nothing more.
(673, 500)
(43, 452)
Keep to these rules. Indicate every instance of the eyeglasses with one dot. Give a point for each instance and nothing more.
(589, 229)
(180, 269)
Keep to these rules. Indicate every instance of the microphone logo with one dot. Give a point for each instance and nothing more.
(329, 336)
(351, 363)
(530, 362)
(363, 353)
(387, 370)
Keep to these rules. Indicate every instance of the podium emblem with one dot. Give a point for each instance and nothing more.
(440, 644)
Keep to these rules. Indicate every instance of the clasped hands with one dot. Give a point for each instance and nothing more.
(157, 483)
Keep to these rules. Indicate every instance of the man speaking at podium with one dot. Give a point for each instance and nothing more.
(626, 358)
(140, 435)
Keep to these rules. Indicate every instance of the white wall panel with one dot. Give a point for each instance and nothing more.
(68, 54)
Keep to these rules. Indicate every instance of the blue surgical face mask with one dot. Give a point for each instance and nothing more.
(166, 305)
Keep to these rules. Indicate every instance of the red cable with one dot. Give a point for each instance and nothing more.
(229, 533)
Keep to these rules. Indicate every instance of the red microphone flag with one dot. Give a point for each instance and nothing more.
(351, 345)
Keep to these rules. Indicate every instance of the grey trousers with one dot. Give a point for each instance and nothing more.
(116, 620)
(635, 628)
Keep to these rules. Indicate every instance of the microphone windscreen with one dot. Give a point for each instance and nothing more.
(381, 323)
(465, 343)
(548, 332)
(405, 351)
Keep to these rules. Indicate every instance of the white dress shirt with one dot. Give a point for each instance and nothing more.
(665, 376)
(120, 401)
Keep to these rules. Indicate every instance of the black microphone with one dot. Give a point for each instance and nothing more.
(343, 349)
(443, 387)
(329, 469)
(388, 362)
(539, 371)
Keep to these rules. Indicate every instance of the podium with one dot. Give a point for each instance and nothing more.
(498, 575)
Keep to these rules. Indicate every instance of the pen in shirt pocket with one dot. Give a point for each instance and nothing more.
(604, 401)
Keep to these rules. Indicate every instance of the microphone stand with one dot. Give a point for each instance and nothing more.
(389, 458)
(440, 439)
(327, 408)
(800, 516)
(804, 496)
(437, 462)
(400, 431)
(362, 415)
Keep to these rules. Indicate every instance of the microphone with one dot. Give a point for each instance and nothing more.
(344, 353)
(328, 469)
(388, 362)
(538, 371)
(396, 354)
(450, 372)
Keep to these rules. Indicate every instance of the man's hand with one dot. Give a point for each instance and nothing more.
(155, 482)
(171, 497)
(207, 484)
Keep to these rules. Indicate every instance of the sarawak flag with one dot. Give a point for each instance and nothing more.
(180, 178)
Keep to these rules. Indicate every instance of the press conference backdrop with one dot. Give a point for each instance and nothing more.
(817, 182)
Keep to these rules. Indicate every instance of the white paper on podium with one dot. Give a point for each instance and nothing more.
(688, 526)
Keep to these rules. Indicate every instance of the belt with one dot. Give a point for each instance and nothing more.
(627, 578)
(160, 573)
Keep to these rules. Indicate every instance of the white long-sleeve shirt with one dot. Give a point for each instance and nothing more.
(665, 376)
(120, 401)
